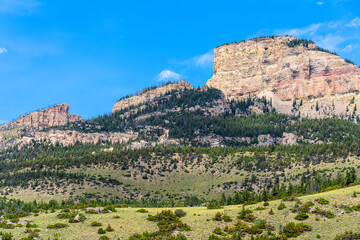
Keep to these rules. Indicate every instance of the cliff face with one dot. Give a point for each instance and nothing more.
(54, 116)
(66, 138)
(270, 67)
(149, 95)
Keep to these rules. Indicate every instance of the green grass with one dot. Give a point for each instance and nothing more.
(131, 221)
(207, 184)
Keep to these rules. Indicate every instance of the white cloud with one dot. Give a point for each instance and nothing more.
(341, 36)
(3, 122)
(330, 41)
(3, 50)
(355, 23)
(350, 47)
(320, 3)
(204, 60)
(167, 75)
(298, 32)
(329, 35)
(15, 6)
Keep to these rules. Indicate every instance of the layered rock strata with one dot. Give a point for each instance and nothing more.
(270, 67)
(57, 115)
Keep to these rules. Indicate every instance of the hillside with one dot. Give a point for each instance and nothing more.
(278, 120)
(127, 222)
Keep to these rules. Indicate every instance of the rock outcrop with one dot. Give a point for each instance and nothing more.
(57, 115)
(70, 137)
(270, 67)
(148, 95)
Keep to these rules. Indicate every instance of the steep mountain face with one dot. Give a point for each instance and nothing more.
(57, 115)
(284, 69)
(289, 75)
(148, 95)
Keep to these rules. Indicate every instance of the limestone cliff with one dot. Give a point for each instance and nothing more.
(274, 68)
(67, 138)
(148, 95)
(53, 116)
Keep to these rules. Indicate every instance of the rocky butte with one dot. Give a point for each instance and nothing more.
(294, 74)
(57, 115)
(287, 69)
(147, 95)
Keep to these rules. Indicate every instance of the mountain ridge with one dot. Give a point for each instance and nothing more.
(286, 69)
(149, 117)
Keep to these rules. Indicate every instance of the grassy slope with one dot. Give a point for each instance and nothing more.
(176, 183)
(197, 217)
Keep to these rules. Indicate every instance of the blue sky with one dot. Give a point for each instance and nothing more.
(91, 53)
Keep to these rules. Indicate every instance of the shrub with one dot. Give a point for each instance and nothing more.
(180, 213)
(142, 210)
(243, 213)
(266, 204)
(322, 201)
(291, 198)
(166, 215)
(347, 235)
(329, 214)
(227, 218)
(254, 229)
(180, 236)
(168, 222)
(28, 230)
(271, 212)
(281, 206)
(259, 208)
(109, 209)
(104, 238)
(306, 206)
(213, 237)
(213, 206)
(109, 228)
(222, 217)
(76, 217)
(292, 230)
(218, 231)
(29, 225)
(9, 226)
(91, 211)
(218, 216)
(7, 236)
(95, 224)
(356, 207)
(260, 223)
(181, 226)
(14, 219)
(101, 231)
(32, 233)
(57, 225)
(324, 213)
(63, 215)
(301, 216)
(249, 217)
